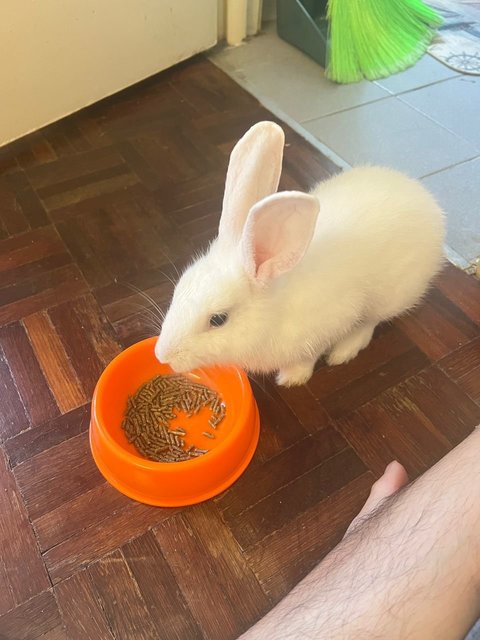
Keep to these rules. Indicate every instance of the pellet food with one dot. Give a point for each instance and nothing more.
(155, 404)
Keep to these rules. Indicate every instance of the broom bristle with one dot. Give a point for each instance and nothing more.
(376, 38)
(425, 12)
(340, 47)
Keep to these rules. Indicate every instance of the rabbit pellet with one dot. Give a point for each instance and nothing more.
(151, 409)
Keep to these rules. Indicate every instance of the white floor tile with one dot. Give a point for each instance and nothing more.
(455, 104)
(272, 69)
(425, 72)
(432, 127)
(393, 134)
(458, 191)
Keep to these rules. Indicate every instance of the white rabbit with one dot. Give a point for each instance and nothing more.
(292, 276)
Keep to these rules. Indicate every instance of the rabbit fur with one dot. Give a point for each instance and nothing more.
(298, 276)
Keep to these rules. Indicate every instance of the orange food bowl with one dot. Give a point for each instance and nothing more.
(170, 484)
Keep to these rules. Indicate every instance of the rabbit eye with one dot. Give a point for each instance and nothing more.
(218, 319)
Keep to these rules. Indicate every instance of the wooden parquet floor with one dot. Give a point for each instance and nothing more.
(124, 192)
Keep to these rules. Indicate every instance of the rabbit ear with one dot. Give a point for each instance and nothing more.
(253, 173)
(277, 233)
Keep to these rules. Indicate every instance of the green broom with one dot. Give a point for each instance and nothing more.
(375, 38)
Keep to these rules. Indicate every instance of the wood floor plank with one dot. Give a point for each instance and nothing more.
(137, 162)
(310, 412)
(292, 551)
(388, 343)
(8, 161)
(133, 328)
(120, 301)
(121, 600)
(195, 192)
(22, 572)
(73, 235)
(57, 475)
(33, 619)
(13, 417)
(27, 374)
(359, 391)
(71, 192)
(33, 441)
(88, 509)
(462, 290)
(66, 138)
(198, 214)
(377, 443)
(81, 610)
(33, 150)
(73, 167)
(280, 427)
(212, 573)
(160, 591)
(444, 403)
(96, 204)
(38, 150)
(226, 127)
(267, 515)
(28, 199)
(146, 114)
(57, 633)
(210, 90)
(32, 271)
(79, 345)
(438, 327)
(87, 545)
(178, 155)
(463, 366)
(96, 327)
(261, 481)
(415, 423)
(57, 368)
(122, 239)
(404, 426)
(28, 248)
(40, 292)
(13, 220)
(299, 164)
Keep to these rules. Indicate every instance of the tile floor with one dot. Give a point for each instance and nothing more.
(424, 121)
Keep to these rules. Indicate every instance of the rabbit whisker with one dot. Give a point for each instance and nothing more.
(147, 297)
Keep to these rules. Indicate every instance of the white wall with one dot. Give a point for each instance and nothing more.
(57, 56)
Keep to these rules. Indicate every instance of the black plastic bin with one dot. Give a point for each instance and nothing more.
(303, 23)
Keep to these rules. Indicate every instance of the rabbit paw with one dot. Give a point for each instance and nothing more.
(348, 348)
(295, 375)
